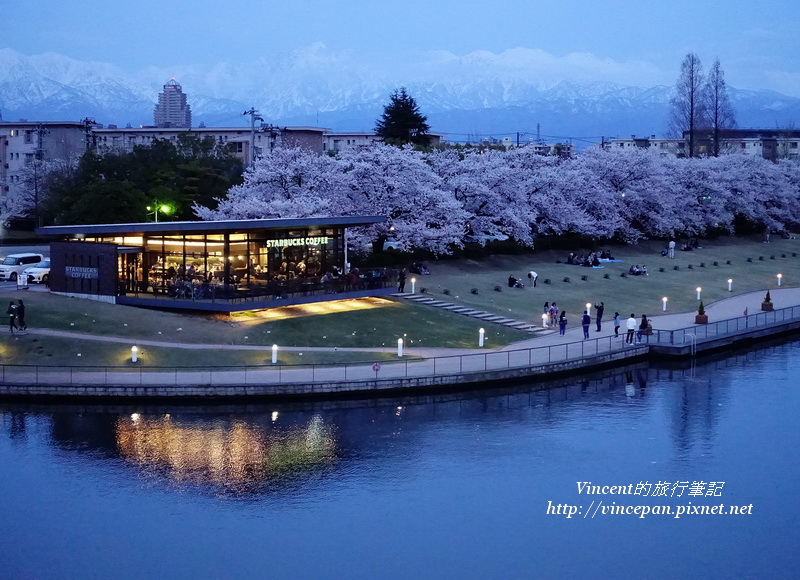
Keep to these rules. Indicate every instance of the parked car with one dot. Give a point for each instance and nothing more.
(15, 264)
(484, 238)
(391, 244)
(40, 273)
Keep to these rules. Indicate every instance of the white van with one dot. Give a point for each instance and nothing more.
(13, 265)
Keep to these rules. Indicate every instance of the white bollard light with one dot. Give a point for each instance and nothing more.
(413, 285)
(545, 318)
(664, 304)
(274, 353)
(780, 276)
(134, 354)
(698, 292)
(481, 336)
(730, 284)
(400, 347)
(589, 308)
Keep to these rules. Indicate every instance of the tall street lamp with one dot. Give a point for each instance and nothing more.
(158, 207)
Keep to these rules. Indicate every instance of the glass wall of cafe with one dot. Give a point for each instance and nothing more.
(152, 262)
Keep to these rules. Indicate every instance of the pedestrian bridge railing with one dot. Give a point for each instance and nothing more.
(401, 368)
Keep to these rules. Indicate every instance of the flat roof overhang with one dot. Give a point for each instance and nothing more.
(207, 227)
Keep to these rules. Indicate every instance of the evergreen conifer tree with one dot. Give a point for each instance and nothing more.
(402, 122)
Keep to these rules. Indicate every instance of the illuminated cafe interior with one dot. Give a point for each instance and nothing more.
(221, 266)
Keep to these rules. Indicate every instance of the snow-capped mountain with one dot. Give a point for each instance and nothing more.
(470, 97)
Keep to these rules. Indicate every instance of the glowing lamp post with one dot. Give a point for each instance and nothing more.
(698, 292)
(545, 318)
(780, 276)
(730, 284)
(589, 308)
(159, 207)
(413, 285)
(274, 353)
(400, 347)
(481, 336)
(664, 304)
(134, 354)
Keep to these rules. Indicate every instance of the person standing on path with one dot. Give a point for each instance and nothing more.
(532, 277)
(599, 308)
(630, 324)
(12, 316)
(401, 280)
(586, 322)
(21, 316)
(562, 323)
(617, 323)
(671, 250)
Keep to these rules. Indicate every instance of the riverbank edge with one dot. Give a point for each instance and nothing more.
(393, 386)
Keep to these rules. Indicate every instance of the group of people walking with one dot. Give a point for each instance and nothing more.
(635, 329)
(16, 316)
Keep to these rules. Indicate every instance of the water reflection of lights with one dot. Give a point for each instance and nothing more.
(233, 455)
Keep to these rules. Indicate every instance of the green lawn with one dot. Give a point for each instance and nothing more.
(379, 327)
(54, 351)
(639, 294)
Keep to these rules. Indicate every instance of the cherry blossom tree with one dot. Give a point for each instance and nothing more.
(285, 183)
(432, 200)
(400, 184)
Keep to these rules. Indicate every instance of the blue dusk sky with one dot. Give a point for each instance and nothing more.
(635, 42)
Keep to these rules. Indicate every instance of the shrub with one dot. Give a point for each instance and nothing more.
(566, 279)
(661, 269)
(676, 268)
(473, 291)
(498, 289)
(584, 278)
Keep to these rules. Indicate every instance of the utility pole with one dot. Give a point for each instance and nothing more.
(254, 116)
(87, 128)
(38, 157)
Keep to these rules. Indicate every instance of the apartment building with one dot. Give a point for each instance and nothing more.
(22, 142)
(766, 143)
(172, 110)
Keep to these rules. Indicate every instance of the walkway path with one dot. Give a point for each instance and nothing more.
(721, 310)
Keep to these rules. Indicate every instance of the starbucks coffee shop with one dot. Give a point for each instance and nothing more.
(220, 266)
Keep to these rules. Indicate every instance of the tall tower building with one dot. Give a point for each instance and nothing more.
(172, 109)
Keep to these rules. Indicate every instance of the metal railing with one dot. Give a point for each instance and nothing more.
(333, 376)
(728, 327)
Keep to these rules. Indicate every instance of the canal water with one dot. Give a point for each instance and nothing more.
(472, 485)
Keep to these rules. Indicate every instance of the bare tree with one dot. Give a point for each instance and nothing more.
(686, 112)
(719, 113)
